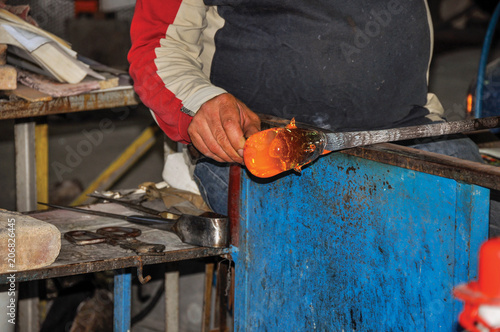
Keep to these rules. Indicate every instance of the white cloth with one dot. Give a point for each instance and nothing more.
(178, 174)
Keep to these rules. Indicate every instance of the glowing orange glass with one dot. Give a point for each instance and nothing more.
(276, 150)
(470, 100)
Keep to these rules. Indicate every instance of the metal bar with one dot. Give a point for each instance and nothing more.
(431, 163)
(26, 201)
(85, 102)
(120, 165)
(122, 300)
(172, 299)
(207, 297)
(42, 163)
(222, 273)
(5, 298)
(133, 205)
(234, 202)
(130, 218)
(344, 140)
(24, 138)
(28, 307)
(54, 271)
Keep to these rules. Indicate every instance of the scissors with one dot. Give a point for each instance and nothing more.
(125, 237)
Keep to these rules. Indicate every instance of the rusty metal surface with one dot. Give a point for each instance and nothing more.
(234, 202)
(74, 259)
(352, 244)
(342, 140)
(113, 264)
(85, 102)
(431, 163)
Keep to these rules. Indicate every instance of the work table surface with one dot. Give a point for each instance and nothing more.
(84, 102)
(77, 259)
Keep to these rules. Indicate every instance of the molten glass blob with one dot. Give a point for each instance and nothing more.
(276, 150)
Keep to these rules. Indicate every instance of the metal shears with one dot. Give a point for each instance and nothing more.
(125, 237)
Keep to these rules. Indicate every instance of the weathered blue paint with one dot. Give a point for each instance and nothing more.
(356, 245)
(122, 300)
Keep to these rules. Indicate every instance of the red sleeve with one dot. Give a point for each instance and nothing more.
(149, 25)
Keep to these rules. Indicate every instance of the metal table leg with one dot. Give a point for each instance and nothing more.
(26, 201)
(172, 299)
(122, 300)
(42, 163)
(25, 166)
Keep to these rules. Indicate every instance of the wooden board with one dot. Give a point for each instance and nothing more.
(8, 77)
(29, 94)
(3, 54)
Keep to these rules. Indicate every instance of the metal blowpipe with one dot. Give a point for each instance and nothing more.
(276, 150)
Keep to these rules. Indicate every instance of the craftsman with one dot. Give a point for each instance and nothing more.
(205, 67)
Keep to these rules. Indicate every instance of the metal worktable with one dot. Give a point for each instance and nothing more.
(32, 138)
(74, 259)
(18, 109)
(31, 164)
(368, 239)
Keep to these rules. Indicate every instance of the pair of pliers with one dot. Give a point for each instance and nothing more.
(125, 237)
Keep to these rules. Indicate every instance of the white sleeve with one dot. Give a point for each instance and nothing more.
(184, 56)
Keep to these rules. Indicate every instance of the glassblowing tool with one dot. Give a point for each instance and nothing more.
(207, 230)
(125, 237)
(168, 213)
(276, 150)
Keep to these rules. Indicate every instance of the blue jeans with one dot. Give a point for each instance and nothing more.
(459, 146)
(213, 178)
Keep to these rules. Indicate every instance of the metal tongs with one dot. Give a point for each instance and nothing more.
(206, 230)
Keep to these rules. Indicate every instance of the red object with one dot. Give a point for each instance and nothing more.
(86, 6)
(234, 202)
(149, 25)
(484, 291)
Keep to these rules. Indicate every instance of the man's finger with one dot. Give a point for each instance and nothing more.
(231, 124)
(224, 124)
(199, 143)
(219, 127)
(215, 139)
(250, 122)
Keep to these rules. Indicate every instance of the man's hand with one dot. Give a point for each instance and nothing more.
(219, 128)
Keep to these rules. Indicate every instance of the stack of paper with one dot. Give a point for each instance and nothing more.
(40, 51)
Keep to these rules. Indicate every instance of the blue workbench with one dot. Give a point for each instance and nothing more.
(354, 244)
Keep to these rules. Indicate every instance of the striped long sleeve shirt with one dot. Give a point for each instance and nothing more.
(341, 65)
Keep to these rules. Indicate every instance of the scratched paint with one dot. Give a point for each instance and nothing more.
(355, 245)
